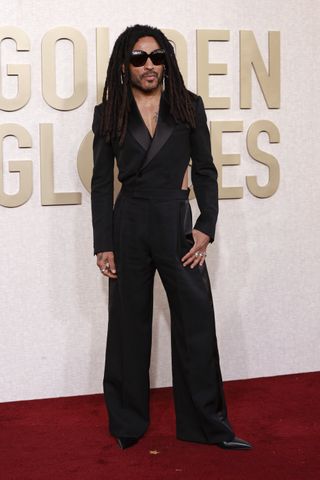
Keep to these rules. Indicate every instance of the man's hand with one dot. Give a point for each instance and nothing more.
(197, 253)
(105, 262)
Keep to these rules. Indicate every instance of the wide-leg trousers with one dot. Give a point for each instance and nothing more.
(152, 231)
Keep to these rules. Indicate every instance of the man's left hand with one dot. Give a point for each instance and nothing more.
(196, 254)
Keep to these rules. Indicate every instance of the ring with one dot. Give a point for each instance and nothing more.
(107, 267)
(200, 254)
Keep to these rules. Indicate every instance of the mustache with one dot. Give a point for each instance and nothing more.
(149, 74)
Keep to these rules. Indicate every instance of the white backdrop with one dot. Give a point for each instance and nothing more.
(264, 263)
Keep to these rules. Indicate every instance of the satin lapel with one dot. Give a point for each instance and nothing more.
(137, 127)
(163, 131)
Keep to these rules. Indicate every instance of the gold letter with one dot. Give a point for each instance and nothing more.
(251, 56)
(85, 161)
(205, 69)
(217, 128)
(271, 162)
(22, 72)
(49, 90)
(48, 196)
(24, 167)
(102, 57)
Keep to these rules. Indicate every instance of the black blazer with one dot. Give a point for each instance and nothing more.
(157, 164)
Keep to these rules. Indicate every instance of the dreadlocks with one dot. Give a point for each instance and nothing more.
(117, 86)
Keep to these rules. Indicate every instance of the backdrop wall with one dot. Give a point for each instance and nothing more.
(264, 263)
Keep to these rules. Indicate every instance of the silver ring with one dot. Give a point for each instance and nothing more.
(200, 254)
(107, 267)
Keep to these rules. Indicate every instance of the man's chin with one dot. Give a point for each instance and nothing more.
(147, 87)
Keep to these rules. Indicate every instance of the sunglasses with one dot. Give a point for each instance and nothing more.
(138, 58)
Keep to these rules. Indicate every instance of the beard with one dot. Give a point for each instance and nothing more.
(145, 83)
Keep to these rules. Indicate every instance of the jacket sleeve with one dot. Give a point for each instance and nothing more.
(204, 174)
(101, 188)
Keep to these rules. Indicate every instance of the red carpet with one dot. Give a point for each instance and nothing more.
(66, 438)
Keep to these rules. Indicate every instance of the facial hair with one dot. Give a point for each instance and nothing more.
(136, 81)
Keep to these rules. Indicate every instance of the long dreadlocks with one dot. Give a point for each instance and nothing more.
(117, 86)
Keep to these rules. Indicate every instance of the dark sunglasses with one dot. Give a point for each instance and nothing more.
(139, 57)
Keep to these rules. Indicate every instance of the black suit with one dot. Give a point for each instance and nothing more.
(149, 228)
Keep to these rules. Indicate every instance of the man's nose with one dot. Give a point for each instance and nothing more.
(148, 63)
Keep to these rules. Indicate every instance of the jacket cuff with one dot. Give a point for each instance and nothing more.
(103, 247)
(206, 228)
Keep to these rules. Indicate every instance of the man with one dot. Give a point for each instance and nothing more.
(152, 125)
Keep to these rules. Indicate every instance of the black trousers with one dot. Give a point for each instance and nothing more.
(152, 230)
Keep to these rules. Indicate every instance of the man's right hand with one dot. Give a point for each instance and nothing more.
(105, 262)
